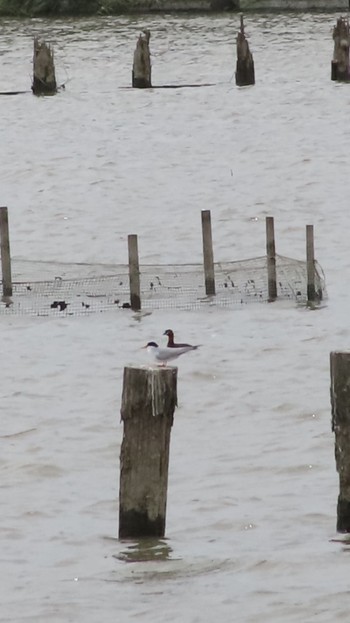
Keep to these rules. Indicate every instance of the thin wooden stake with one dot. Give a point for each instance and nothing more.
(148, 404)
(5, 253)
(340, 400)
(271, 259)
(310, 264)
(134, 273)
(208, 254)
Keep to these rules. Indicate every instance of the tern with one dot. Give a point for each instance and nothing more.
(164, 354)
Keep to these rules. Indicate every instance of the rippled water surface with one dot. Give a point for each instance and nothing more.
(252, 482)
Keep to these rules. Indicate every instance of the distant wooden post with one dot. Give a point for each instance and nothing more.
(141, 71)
(271, 259)
(310, 264)
(340, 63)
(340, 400)
(5, 253)
(148, 404)
(134, 273)
(44, 80)
(208, 255)
(245, 74)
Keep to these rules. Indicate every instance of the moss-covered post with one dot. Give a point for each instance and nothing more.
(44, 79)
(340, 63)
(141, 70)
(340, 400)
(148, 403)
(245, 74)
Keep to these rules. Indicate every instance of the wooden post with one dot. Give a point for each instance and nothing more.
(340, 400)
(5, 253)
(44, 80)
(141, 70)
(134, 273)
(310, 264)
(208, 254)
(340, 64)
(245, 74)
(271, 259)
(148, 404)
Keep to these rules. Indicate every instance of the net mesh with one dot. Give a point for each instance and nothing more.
(51, 288)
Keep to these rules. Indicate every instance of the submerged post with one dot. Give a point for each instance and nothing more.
(141, 70)
(310, 264)
(5, 253)
(44, 80)
(208, 254)
(340, 64)
(271, 259)
(134, 273)
(340, 401)
(245, 74)
(148, 404)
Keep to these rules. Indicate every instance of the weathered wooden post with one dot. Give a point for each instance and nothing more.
(340, 400)
(245, 74)
(134, 273)
(148, 403)
(44, 80)
(208, 255)
(310, 264)
(5, 253)
(340, 63)
(141, 70)
(271, 259)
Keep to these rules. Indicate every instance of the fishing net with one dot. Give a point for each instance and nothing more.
(51, 288)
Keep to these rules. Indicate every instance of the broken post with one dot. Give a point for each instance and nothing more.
(340, 63)
(310, 264)
(134, 273)
(148, 403)
(340, 401)
(5, 253)
(141, 70)
(245, 74)
(208, 254)
(271, 259)
(44, 80)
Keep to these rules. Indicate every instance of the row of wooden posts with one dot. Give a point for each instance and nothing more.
(44, 79)
(208, 261)
(313, 295)
(149, 399)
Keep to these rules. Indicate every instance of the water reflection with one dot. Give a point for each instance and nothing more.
(145, 550)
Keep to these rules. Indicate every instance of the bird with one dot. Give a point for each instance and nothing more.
(172, 344)
(164, 354)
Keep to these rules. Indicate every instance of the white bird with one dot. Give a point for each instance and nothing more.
(164, 354)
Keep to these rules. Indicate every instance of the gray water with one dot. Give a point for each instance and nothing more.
(252, 482)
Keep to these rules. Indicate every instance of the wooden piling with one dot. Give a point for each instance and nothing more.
(310, 264)
(148, 403)
(208, 254)
(340, 401)
(245, 73)
(271, 259)
(44, 80)
(5, 253)
(340, 64)
(141, 70)
(134, 273)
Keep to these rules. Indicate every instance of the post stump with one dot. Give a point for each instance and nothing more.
(245, 74)
(44, 79)
(148, 403)
(340, 64)
(340, 401)
(141, 71)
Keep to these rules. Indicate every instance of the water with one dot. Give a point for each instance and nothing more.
(252, 482)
